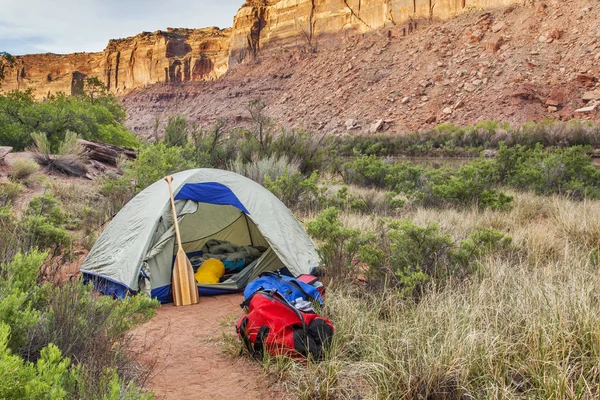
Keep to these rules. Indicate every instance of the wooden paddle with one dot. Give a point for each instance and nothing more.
(185, 290)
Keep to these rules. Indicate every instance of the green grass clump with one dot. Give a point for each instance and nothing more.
(10, 191)
(22, 169)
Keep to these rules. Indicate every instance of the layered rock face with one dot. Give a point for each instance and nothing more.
(263, 24)
(177, 55)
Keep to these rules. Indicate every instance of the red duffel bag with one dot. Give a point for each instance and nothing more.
(274, 325)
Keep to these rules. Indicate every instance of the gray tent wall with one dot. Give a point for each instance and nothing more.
(141, 236)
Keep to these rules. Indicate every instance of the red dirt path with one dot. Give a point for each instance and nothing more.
(190, 361)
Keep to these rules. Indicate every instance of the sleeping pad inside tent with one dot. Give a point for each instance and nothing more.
(222, 215)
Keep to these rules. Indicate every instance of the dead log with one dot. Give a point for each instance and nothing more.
(106, 153)
(3, 153)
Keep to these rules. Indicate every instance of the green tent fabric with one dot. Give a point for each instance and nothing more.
(135, 252)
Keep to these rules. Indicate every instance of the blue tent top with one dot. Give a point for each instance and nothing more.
(210, 193)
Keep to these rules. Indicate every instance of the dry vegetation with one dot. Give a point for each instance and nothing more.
(525, 326)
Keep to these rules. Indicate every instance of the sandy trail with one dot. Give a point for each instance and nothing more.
(190, 362)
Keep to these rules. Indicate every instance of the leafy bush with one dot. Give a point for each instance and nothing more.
(84, 207)
(408, 256)
(48, 378)
(118, 190)
(42, 224)
(296, 191)
(400, 254)
(312, 152)
(94, 117)
(22, 169)
(157, 160)
(470, 184)
(565, 171)
(339, 245)
(39, 232)
(46, 206)
(176, 132)
(44, 327)
(92, 330)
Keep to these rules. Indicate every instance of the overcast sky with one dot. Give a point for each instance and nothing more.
(68, 26)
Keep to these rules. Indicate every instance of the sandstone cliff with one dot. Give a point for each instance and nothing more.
(185, 55)
(177, 55)
(263, 24)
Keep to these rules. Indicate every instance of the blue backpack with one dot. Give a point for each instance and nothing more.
(288, 287)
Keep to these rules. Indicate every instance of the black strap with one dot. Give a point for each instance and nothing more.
(258, 350)
(243, 332)
(255, 350)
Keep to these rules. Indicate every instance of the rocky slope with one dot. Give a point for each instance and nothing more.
(177, 55)
(512, 64)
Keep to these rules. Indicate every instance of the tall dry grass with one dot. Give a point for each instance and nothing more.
(527, 326)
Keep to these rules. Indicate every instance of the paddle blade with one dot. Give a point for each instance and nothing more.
(185, 290)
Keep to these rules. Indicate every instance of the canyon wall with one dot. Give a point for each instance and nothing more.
(177, 55)
(183, 55)
(263, 24)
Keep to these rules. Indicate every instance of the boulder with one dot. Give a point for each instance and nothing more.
(376, 126)
(4, 150)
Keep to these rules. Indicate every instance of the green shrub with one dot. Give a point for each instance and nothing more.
(39, 232)
(407, 256)
(118, 190)
(367, 171)
(156, 161)
(48, 378)
(42, 224)
(400, 254)
(44, 327)
(9, 192)
(296, 191)
(338, 245)
(312, 152)
(176, 132)
(22, 169)
(565, 171)
(451, 140)
(470, 184)
(46, 205)
(99, 117)
(19, 295)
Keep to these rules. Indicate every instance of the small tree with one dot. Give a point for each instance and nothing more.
(176, 132)
(6, 61)
(262, 124)
(93, 88)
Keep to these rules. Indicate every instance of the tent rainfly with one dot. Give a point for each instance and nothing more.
(135, 252)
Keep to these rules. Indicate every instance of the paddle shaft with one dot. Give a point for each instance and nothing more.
(169, 180)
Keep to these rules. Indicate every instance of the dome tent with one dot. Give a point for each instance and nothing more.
(135, 252)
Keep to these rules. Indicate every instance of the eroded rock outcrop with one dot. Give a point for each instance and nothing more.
(177, 55)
